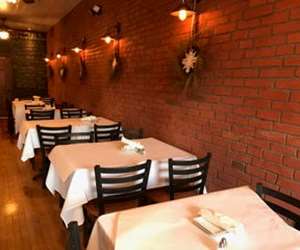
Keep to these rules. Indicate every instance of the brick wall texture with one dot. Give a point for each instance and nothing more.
(245, 108)
(24, 52)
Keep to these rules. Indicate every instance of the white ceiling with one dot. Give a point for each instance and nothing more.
(39, 16)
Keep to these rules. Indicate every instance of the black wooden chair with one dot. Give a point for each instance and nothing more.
(132, 133)
(114, 185)
(67, 113)
(73, 236)
(40, 115)
(266, 193)
(64, 105)
(49, 137)
(82, 137)
(107, 132)
(188, 175)
(49, 101)
(34, 106)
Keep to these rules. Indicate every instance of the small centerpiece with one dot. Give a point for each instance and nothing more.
(132, 146)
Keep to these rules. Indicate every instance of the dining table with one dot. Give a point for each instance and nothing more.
(171, 225)
(71, 171)
(18, 111)
(28, 139)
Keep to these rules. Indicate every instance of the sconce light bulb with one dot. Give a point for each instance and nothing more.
(47, 59)
(77, 50)
(182, 14)
(108, 39)
(58, 56)
(4, 35)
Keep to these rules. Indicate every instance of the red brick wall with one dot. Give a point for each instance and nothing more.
(247, 110)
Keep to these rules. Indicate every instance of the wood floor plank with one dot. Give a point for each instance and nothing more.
(29, 218)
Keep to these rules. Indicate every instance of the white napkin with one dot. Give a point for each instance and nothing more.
(90, 118)
(132, 145)
(218, 226)
(36, 97)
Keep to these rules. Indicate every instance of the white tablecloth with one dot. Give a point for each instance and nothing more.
(168, 225)
(28, 139)
(18, 109)
(71, 173)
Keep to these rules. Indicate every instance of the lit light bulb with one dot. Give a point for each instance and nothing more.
(182, 15)
(12, 1)
(47, 59)
(4, 35)
(107, 39)
(3, 5)
(58, 56)
(77, 50)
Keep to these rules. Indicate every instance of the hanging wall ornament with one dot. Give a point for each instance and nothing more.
(62, 72)
(82, 70)
(190, 60)
(116, 64)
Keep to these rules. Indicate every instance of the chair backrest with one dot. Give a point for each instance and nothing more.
(121, 184)
(34, 106)
(82, 137)
(188, 175)
(132, 133)
(107, 132)
(49, 137)
(275, 199)
(49, 101)
(64, 105)
(66, 113)
(40, 115)
(73, 236)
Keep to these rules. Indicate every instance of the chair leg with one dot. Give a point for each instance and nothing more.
(33, 165)
(87, 230)
(43, 173)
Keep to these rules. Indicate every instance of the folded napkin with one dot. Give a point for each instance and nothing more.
(36, 97)
(221, 227)
(132, 146)
(90, 118)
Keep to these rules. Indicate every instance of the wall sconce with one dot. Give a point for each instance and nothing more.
(183, 11)
(50, 71)
(4, 34)
(60, 55)
(115, 37)
(81, 51)
(108, 37)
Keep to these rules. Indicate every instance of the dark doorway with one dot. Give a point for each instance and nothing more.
(5, 85)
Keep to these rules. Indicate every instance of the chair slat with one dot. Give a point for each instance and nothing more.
(187, 188)
(266, 193)
(122, 179)
(118, 190)
(187, 171)
(195, 172)
(189, 180)
(121, 170)
(107, 132)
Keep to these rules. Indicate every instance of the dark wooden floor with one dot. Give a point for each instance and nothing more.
(29, 214)
(29, 217)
